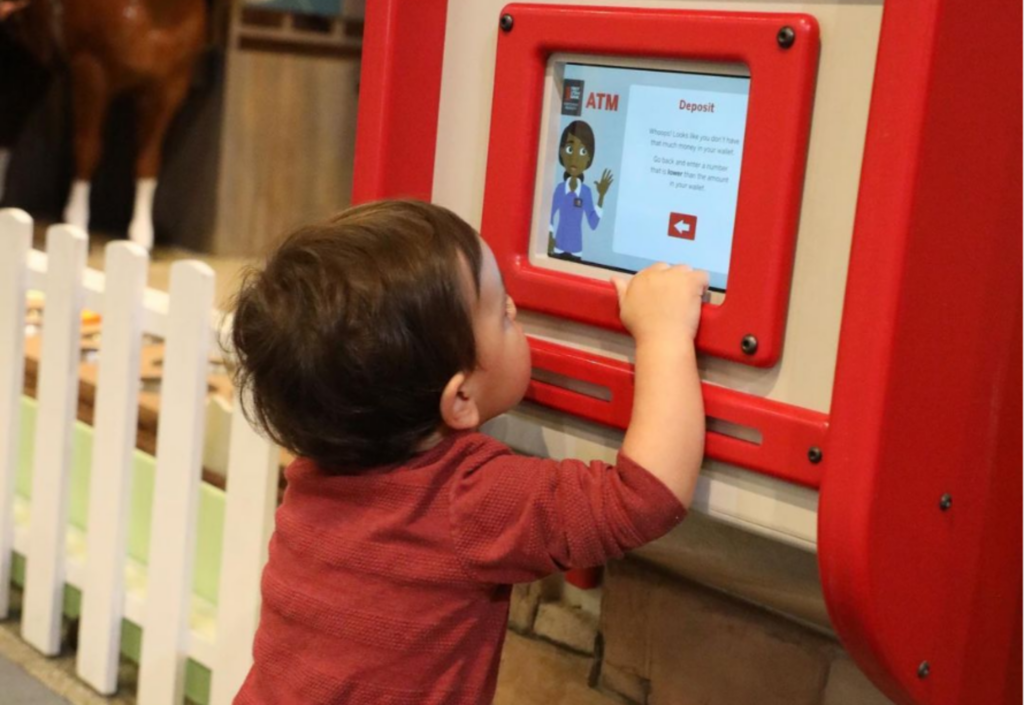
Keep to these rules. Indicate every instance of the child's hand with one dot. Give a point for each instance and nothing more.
(662, 302)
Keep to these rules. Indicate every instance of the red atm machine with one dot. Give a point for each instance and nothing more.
(850, 177)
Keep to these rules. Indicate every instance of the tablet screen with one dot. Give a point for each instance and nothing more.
(639, 166)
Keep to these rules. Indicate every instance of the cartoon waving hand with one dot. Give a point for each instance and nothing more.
(602, 185)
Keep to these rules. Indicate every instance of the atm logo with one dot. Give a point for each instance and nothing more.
(572, 97)
(603, 101)
(682, 225)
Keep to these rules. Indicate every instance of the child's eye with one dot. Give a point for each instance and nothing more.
(568, 149)
(583, 151)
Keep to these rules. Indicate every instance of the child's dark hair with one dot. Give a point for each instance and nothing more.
(348, 336)
(585, 134)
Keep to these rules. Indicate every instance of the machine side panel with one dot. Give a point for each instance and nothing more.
(400, 90)
(925, 592)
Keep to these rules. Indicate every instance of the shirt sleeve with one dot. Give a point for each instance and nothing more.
(517, 519)
(554, 207)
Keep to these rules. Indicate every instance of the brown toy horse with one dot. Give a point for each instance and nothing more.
(147, 47)
(26, 60)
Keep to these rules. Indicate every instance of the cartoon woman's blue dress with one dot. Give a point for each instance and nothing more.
(571, 206)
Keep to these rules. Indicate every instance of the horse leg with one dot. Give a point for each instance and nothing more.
(156, 108)
(90, 97)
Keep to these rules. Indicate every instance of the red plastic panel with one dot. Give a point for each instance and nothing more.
(787, 432)
(927, 398)
(771, 181)
(399, 95)
(585, 578)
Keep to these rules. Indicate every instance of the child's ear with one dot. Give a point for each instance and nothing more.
(458, 408)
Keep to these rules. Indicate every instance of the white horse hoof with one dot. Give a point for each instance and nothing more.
(141, 233)
(77, 215)
(76, 212)
(76, 218)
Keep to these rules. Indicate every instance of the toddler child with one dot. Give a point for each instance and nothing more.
(373, 346)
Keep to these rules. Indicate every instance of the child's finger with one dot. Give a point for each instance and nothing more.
(703, 281)
(620, 287)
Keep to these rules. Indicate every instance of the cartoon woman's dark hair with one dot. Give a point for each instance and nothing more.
(583, 132)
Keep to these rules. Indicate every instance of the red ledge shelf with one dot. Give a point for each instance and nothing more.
(788, 432)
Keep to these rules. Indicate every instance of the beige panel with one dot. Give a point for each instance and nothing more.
(768, 507)
(849, 39)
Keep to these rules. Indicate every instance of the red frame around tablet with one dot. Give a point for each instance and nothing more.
(771, 180)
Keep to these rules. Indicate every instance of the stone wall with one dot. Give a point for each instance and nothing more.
(659, 639)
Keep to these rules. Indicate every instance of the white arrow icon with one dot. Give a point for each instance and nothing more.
(682, 227)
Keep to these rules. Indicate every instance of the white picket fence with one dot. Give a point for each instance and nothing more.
(161, 603)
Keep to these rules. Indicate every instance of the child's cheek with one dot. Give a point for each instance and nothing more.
(526, 364)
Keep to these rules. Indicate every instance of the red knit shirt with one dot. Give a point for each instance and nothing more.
(392, 587)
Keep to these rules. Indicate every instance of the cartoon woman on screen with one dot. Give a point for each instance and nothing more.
(572, 198)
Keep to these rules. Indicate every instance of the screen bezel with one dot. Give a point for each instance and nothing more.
(749, 325)
(549, 135)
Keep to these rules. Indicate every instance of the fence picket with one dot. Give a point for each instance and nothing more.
(15, 241)
(115, 424)
(185, 315)
(66, 248)
(248, 522)
(176, 492)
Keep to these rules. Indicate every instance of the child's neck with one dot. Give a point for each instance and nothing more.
(434, 439)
